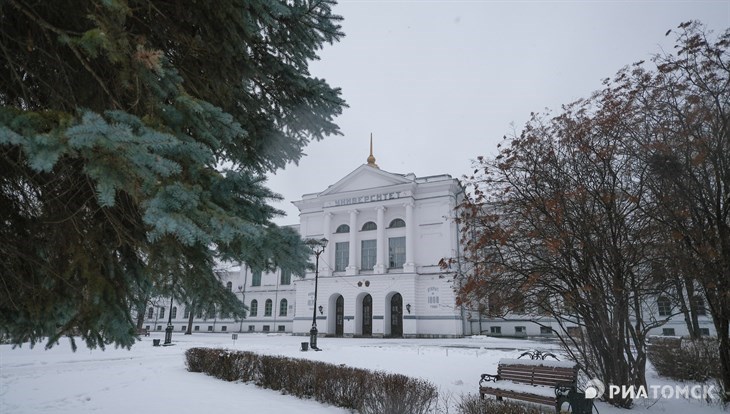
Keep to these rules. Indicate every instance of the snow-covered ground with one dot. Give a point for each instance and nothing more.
(149, 379)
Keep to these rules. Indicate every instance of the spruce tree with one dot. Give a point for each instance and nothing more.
(135, 137)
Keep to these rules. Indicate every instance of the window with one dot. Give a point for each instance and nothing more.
(150, 313)
(182, 328)
(159, 327)
(147, 327)
(574, 331)
(368, 254)
(668, 331)
(283, 307)
(495, 330)
(520, 330)
(285, 277)
(698, 304)
(199, 313)
(210, 313)
(186, 315)
(229, 286)
(664, 306)
(162, 312)
(267, 307)
(174, 312)
(267, 328)
(343, 228)
(369, 226)
(210, 328)
(546, 330)
(254, 309)
(256, 278)
(342, 256)
(396, 252)
(281, 328)
(705, 331)
(397, 223)
(224, 328)
(197, 328)
(251, 328)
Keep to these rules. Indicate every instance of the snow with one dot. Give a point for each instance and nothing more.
(149, 379)
(538, 363)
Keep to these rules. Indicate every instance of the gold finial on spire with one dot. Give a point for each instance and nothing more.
(371, 158)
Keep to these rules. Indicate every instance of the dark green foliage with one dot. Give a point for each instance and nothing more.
(353, 388)
(134, 141)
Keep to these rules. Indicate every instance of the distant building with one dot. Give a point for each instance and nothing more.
(379, 274)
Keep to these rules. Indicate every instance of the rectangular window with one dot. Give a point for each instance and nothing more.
(267, 328)
(182, 328)
(705, 331)
(186, 315)
(150, 313)
(162, 312)
(520, 330)
(495, 330)
(256, 278)
(281, 328)
(147, 327)
(210, 328)
(368, 254)
(285, 277)
(342, 256)
(668, 331)
(574, 331)
(159, 327)
(174, 312)
(197, 328)
(546, 330)
(224, 328)
(396, 252)
(251, 328)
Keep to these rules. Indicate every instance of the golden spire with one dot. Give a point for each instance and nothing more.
(371, 158)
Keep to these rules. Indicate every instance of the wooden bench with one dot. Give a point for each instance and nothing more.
(536, 381)
(143, 332)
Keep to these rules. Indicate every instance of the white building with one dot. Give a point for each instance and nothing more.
(379, 273)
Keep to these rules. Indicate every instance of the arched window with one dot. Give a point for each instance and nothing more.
(369, 226)
(162, 312)
(254, 309)
(174, 312)
(343, 228)
(283, 307)
(150, 313)
(229, 285)
(698, 304)
(267, 307)
(664, 306)
(397, 223)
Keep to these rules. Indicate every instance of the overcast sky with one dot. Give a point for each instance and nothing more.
(438, 83)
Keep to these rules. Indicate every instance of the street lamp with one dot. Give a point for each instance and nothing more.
(168, 330)
(317, 247)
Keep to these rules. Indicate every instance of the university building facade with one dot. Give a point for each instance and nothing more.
(378, 275)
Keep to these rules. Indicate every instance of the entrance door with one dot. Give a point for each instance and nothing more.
(367, 315)
(340, 316)
(396, 315)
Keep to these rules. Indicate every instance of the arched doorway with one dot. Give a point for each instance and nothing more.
(340, 316)
(367, 315)
(396, 315)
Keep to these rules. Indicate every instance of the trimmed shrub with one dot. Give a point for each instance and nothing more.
(471, 404)
(353, 388)
(697, 360)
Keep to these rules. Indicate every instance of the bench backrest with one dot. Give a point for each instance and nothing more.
(538, 374)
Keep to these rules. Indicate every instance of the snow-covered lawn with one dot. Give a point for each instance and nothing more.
(149, 379)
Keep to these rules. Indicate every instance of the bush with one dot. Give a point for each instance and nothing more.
(471, 404)
(697, 360)
(353, 388)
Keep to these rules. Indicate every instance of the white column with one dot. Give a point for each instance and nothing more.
(352, 265)
(326, 267)
(410, 265)
(380, 247)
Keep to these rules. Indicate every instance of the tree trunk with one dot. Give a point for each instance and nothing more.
(189, 331)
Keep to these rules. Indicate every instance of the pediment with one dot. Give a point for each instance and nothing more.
(365, 177)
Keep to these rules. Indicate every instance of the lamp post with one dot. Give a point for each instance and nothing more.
(317, 247)
(168, 330)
